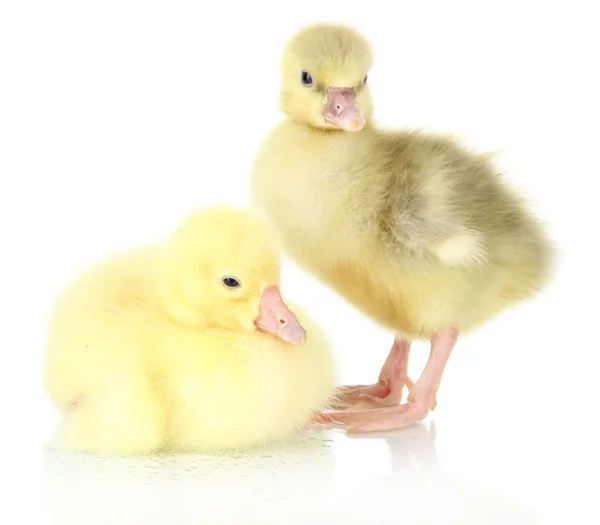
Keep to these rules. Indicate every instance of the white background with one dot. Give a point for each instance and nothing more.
(117, 118)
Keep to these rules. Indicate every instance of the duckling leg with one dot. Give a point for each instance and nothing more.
(123, 416)
(367, 416)
(392, 378)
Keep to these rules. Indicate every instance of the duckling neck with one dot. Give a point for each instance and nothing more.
(368, 127)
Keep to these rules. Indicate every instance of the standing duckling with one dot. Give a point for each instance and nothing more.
(419, 234)
(186, 345)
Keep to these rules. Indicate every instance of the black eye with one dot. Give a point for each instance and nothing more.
(307, 80)
(365, 80)
(231, 282)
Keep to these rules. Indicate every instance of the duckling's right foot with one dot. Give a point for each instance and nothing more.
(388, 390)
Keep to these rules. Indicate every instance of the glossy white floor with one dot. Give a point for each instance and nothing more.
(513, 441)
(117, 118)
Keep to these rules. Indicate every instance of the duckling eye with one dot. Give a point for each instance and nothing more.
(231, 282)
(307, 80)
(365, 80)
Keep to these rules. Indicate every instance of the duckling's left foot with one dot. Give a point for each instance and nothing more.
(369, 416)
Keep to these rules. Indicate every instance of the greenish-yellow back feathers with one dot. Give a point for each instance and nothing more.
(420, 234)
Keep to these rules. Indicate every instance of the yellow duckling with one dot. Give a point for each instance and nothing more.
(186, 344)
(422, 236)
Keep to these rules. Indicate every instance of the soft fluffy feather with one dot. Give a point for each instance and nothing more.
(148, 350)
(414, 230)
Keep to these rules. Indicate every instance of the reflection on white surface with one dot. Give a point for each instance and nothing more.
(327, 477)
(121, 116)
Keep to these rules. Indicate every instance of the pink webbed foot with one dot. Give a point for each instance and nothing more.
(368, 415)
(388, 390)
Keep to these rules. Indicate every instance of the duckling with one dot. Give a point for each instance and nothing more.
(186, 344)
(418, 233)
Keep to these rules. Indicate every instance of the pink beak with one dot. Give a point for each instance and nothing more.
(341, 109)
(277, 319)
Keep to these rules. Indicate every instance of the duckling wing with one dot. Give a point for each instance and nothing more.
(422, 212)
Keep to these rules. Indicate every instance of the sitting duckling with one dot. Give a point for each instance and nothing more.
(186, 345)
(420, 235)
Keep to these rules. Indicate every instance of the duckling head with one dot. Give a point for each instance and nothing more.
(221, 269)
(324, 78)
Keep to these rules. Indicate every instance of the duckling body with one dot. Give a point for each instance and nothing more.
(258, 391)
(421, 235)
(149, 350)
(336, 204)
